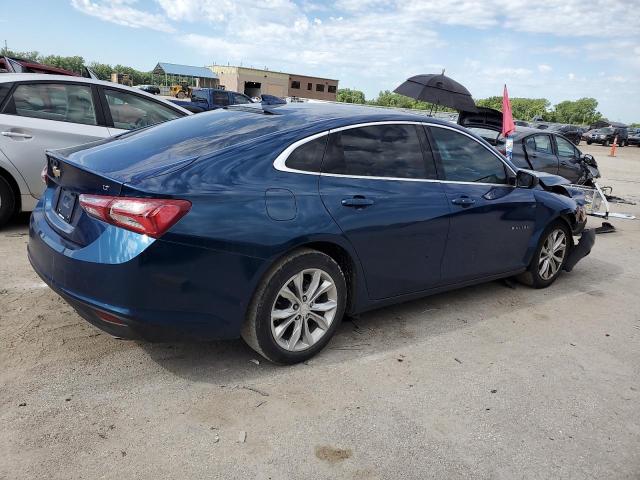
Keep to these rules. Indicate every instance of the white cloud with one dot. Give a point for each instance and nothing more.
(122, 13)
(544, 68)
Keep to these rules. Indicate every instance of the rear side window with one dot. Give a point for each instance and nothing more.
(376, 151)
(130, 111)
(308, 157)
(465, 159)
(53, 101)
(221, 98)
(541, 144)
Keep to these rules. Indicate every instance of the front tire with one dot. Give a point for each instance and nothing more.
(7, 201)
(297, 308)
(550, 256)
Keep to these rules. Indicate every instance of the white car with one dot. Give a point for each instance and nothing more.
(40, 112)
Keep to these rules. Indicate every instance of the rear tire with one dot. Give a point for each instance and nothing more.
(589, 142)
(288, 320)
(550, 256)
(7, 201)
(606, 143)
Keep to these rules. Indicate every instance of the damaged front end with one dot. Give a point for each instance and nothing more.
(583, 205)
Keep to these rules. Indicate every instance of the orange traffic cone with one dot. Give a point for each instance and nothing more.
(612, 153)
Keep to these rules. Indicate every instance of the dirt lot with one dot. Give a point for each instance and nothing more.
(484, 382)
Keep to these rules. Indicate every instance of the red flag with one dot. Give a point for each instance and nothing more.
(507, 119)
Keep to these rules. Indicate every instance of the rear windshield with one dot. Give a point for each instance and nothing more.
(188, 137)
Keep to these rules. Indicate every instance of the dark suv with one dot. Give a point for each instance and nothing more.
(605, 136)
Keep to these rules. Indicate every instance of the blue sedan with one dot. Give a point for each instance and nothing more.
(273, 222)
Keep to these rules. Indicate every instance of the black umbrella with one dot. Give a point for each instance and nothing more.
(438, 89)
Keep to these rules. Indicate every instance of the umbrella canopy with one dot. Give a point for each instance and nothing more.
(438, 89)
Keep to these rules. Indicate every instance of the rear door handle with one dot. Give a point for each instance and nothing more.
(16, 135)
(463, 201)
(357, 201)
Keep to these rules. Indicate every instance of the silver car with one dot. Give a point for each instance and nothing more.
(40, 112)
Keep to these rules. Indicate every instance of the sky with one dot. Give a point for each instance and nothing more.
(556, 49)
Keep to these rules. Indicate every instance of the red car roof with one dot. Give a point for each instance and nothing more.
(35, 67)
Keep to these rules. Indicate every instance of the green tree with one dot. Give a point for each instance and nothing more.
(521, 108)
(582, 111)
(348, 95)
(73, 64)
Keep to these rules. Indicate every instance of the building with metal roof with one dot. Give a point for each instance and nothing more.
(173, 73)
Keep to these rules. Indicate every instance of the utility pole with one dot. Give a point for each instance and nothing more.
(6, 50)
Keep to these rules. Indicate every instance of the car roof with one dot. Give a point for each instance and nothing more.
(30, 77)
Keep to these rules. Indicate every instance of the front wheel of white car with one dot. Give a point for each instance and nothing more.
(297, 308)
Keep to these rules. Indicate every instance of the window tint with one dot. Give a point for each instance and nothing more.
(130, 111)
(54, 101)
(542, 144)
(466, 160)
(240, 99)
(221, 98)
(295, 84)
(565, 148)
(376, 151)
(308, 156)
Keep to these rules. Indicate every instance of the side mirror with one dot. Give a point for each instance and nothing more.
(525, 179)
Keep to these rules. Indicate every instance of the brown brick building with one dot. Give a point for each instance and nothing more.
(312, 87)
(253, 82)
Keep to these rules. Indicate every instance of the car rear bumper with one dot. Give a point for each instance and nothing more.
(167, 291)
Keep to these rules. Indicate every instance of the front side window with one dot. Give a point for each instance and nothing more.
(130, 111)
(465, 159)
(565, 148)
(53, 101)
(308, 156)
(376, 151)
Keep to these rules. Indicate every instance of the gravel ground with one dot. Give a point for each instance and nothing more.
(483, 382)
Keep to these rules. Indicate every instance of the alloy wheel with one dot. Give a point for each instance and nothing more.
(304, 310)
(552, 254)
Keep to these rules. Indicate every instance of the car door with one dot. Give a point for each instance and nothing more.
(46, 115)
(125, 110)
(491, 221)
(569, 156)
(381, 189)
(540, 153)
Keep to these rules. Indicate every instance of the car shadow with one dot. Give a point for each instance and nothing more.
(387, 329)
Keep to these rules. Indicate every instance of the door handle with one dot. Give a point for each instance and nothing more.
(16, 135)
(357, 201)
(564, 164)
(463, 201)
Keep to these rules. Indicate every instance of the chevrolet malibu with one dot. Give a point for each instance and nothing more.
(272, 223)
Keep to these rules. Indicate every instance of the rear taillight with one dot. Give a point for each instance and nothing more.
(44, 176)
(149, 216)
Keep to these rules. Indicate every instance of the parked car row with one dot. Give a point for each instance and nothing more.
(607, 135)
(338, 204)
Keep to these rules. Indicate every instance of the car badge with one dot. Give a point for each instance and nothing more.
(56, 171)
